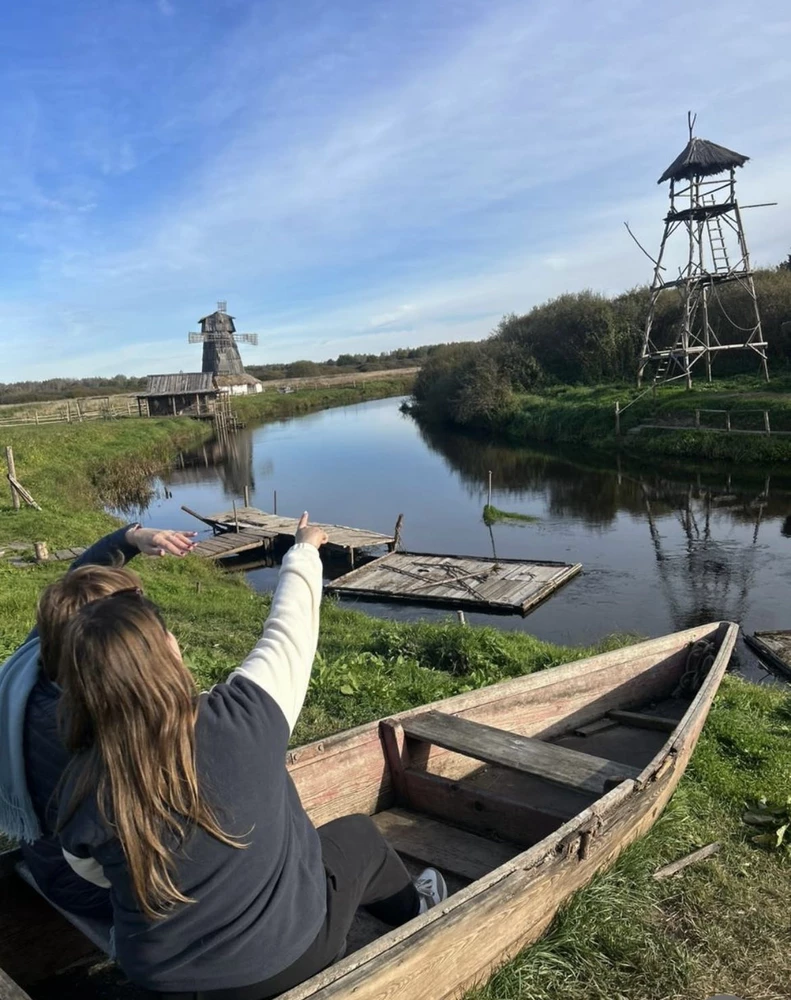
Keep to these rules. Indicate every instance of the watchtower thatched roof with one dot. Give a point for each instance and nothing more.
(702, 158)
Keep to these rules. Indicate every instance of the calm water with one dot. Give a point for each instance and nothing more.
(662, 549)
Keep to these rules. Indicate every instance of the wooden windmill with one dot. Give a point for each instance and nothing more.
(704, 211)
(220, 342)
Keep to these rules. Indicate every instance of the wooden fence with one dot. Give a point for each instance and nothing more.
(695, 421)
(72, 411)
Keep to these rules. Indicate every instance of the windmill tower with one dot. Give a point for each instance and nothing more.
(704, 211)
(220, 339)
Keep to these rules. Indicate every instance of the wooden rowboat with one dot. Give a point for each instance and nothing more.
(519, 793)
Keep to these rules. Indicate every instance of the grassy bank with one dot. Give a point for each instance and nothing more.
(584, 415)
(272, 405)
(721, 927)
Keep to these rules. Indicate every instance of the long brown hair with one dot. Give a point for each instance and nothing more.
(128, 712)
(63, 598)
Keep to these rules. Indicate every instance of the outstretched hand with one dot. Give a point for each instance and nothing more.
(160, 542)
(309, 534)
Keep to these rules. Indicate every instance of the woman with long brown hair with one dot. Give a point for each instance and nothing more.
(182, 805)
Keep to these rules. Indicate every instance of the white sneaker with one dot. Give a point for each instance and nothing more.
(431, 888)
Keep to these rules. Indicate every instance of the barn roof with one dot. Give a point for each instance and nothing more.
(183, 383)
(702, 158)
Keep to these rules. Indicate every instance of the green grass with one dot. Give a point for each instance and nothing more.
(493, 515)
(271, 405)
(585, 415)
(721, 927)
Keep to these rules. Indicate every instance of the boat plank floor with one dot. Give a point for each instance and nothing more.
(441, 845)
(621, 744)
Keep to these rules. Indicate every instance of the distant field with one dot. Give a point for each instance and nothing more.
(125, 403)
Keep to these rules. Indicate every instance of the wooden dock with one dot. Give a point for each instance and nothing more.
(270, 529)
(477, 583)
(231, 543)
(774, 648)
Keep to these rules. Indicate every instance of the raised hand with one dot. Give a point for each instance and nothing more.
(308, 534)
(161, 541)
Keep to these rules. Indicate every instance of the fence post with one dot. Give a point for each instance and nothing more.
(9, 457)
(697, 418)
(618, 417)
(727, 420)
(36, 413)
(767, 428)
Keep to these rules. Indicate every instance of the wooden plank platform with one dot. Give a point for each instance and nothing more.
(774, 648)
(274, 526)
(469, 581)
(229, 544)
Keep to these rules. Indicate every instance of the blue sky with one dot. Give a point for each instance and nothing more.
(354, 175)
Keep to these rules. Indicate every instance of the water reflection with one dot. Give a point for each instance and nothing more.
(703, 571)
(228, 459)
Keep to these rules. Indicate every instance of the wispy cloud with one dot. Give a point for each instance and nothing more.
(351, 175)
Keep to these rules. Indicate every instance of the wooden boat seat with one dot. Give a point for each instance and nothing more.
(559, 765)
(98, 932)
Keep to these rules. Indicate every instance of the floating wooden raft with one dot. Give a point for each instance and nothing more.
(271, 527)
(471, 581)
(774, 648)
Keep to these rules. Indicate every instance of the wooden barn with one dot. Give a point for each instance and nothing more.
(192, 394)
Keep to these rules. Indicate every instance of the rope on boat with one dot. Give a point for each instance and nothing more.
(699, 661)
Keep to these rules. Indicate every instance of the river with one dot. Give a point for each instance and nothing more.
(662, 548)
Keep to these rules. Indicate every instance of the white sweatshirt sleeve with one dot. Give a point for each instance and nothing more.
(87, 868)
(281, 660)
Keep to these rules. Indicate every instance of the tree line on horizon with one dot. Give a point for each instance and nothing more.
(79, 388)
(586, 338)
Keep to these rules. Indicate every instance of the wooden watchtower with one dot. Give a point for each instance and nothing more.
(705, 213)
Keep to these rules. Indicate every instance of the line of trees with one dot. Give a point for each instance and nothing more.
(68, 388)
(403, 357)
(587, 338)
(77, 388)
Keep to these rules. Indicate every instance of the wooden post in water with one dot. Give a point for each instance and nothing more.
(247, 496)
(767, 428)
(617, 417)
(9, 457)
(275, 505)
(235, 516)
(489, 501)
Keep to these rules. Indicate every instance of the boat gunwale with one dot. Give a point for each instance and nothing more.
(345, 741)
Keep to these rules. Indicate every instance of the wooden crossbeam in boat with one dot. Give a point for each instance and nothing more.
(557, 764)
(642, 720)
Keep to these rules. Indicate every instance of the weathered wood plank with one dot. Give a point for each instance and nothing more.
(441, 845)
(502, 585)
(643, 721)
(9, 989)
(230, 544)
(523, 753)
(340, 536)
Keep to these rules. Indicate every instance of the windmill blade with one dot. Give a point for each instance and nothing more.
(196, 338)
(246, 338)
